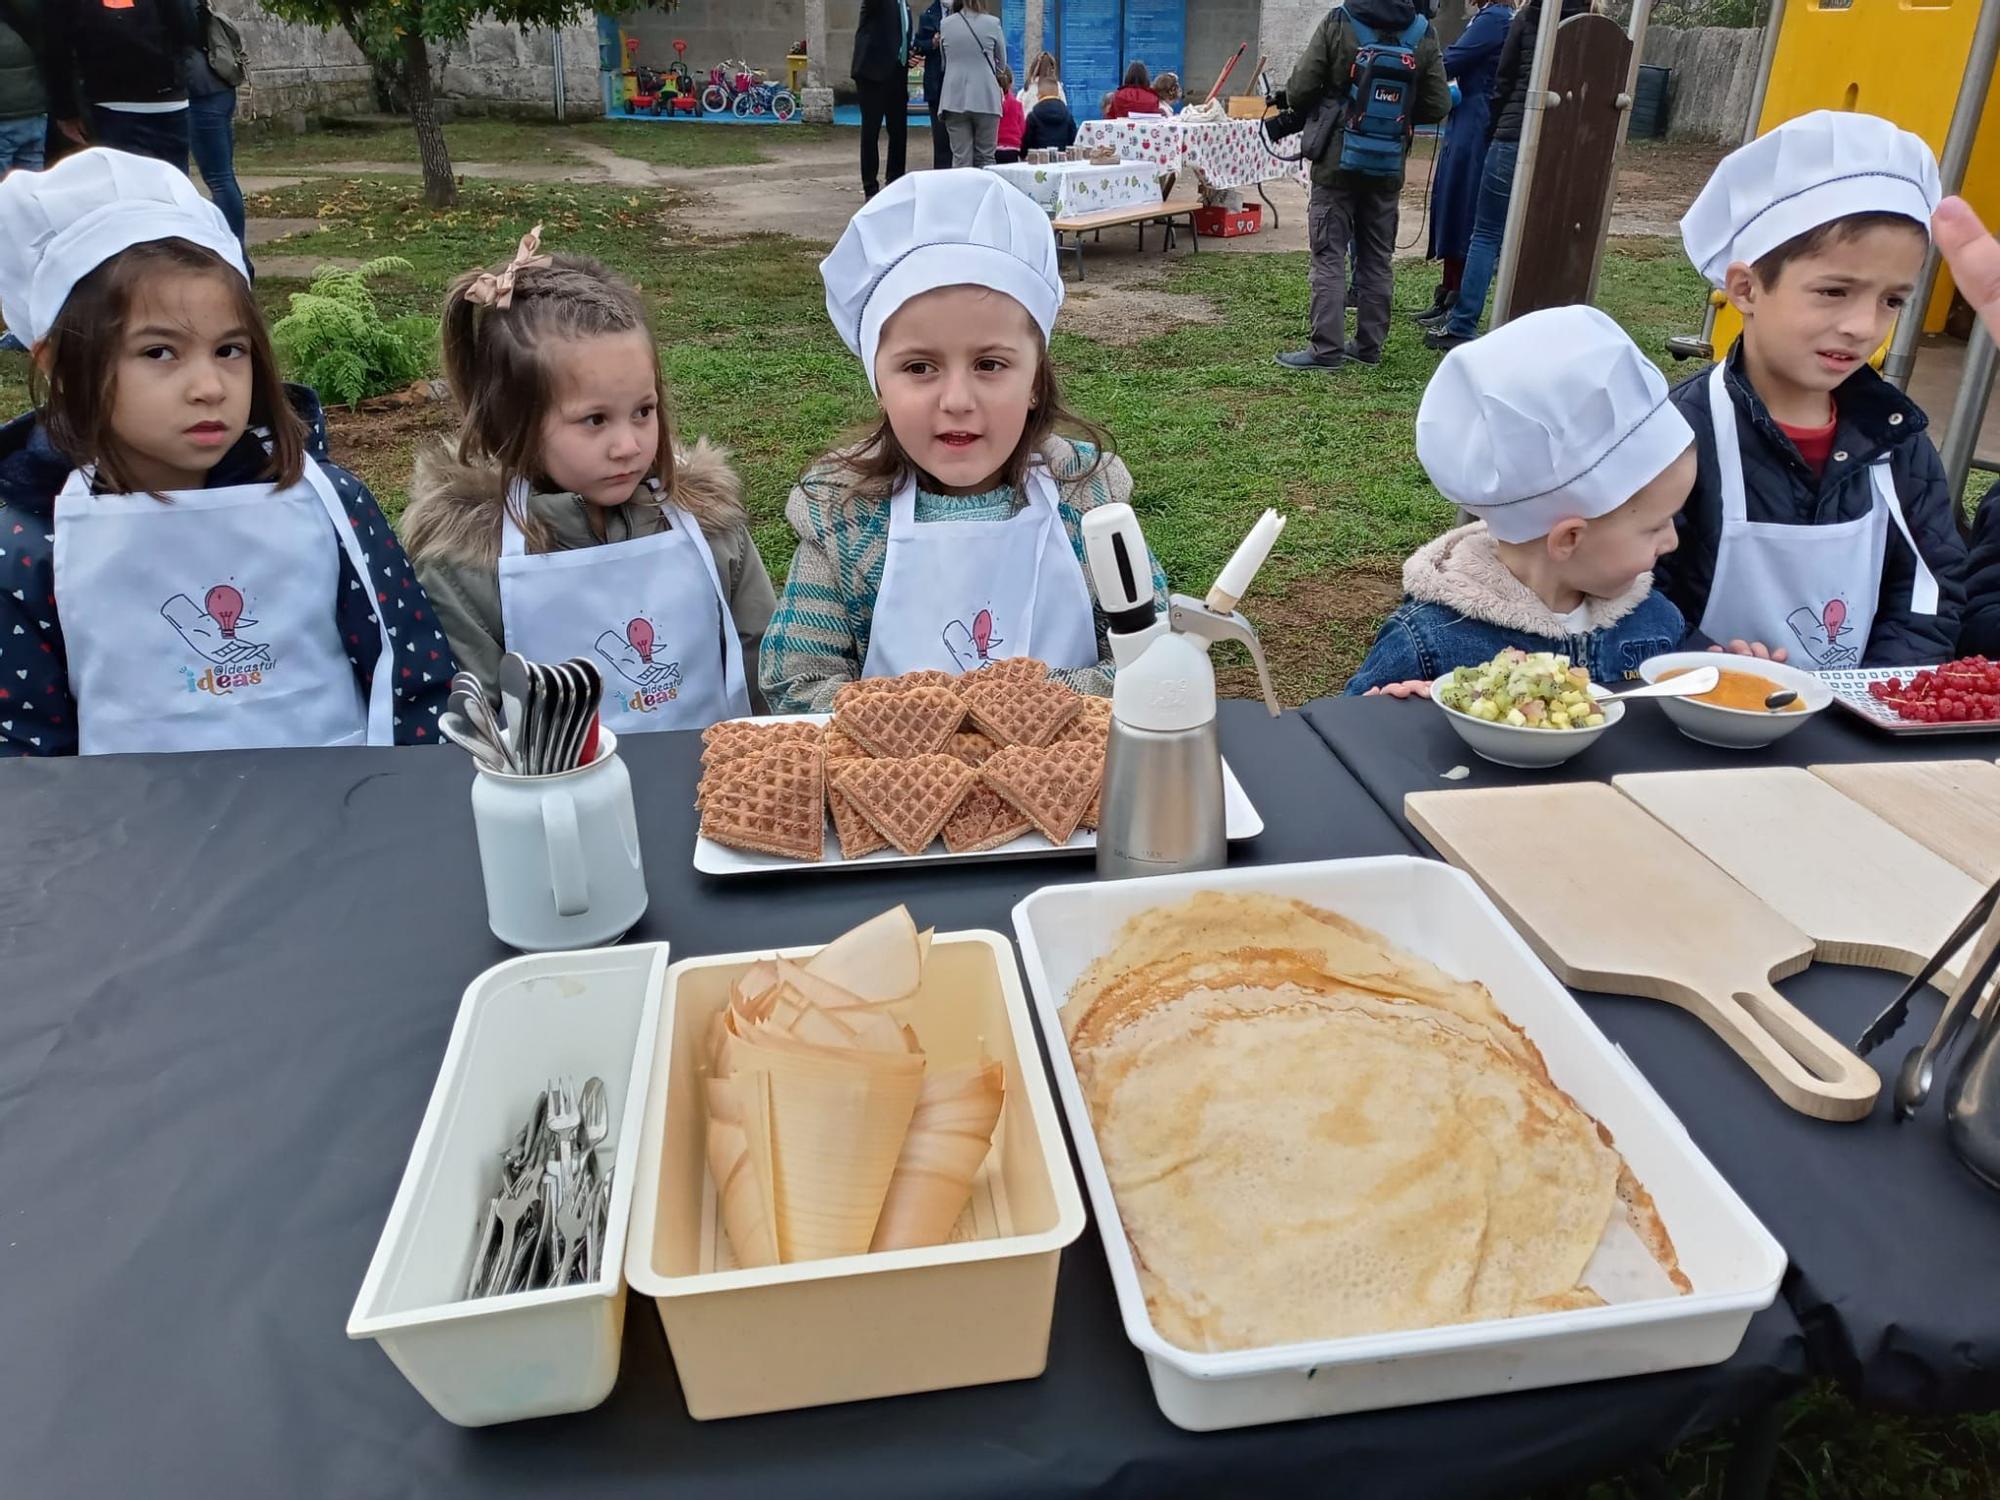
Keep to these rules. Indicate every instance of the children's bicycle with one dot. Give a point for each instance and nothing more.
(766, 99)
(724, 84)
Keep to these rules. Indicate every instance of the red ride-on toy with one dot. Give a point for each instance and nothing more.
(684, 100)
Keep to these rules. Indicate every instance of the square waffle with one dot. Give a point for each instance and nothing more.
(1092, 725)
(735, 738)
(984, 820)
(895, 726)
(1011, 669)
(839, 745)
(1018, 712)
(907, 800)
(1055, 786)
(972, 747)
(773, 803)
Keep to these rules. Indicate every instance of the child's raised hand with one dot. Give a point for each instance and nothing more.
(1753, 648)
(1415, 688)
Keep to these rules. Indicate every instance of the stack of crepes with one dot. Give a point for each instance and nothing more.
(827, 1133)
(1312, 1135)
(978, 759)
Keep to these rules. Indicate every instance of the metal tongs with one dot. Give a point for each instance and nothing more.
(1913, 1081)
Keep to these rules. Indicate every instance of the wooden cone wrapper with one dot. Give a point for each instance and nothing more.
(951, 1130)
(740, 1197)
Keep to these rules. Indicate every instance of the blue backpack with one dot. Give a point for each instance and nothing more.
(1382, 89)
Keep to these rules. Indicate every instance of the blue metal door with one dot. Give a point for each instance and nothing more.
(1156, 34)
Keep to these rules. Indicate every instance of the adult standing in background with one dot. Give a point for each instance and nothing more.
(126, 55)
(1509, 108)
(882, 79)
(213, 67)
(24, 94)
(975, 52)
(926, 46)
(1470, 63)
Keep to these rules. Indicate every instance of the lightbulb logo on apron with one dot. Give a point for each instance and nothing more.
(971, 646)
(1819, 633)
(636, 656)
(211, 630)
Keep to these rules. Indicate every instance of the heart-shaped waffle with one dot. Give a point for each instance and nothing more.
(906, 682)
(773, 803)
(907, 800)
(858, 837)
(984, 820)
(839, 745)
(895, 726)
(1092, 723)
(1015, 711)
(972, 747)
(1010, 669)
(1054, 786)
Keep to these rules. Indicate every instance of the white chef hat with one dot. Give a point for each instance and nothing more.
(58, 226)
(933, 229)
(1807, 172)
(1553, 415)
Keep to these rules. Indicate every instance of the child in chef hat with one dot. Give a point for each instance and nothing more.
(185, 570)
(1556, 432)
(951, 534)
(1820, 522)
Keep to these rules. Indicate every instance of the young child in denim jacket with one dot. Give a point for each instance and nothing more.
(1557, 433)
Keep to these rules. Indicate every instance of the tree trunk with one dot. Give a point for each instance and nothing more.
(440, 186)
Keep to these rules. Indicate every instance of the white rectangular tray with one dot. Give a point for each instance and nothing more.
(1850, 691)
(531, 1354)
(1428, 908)
(1240, 820)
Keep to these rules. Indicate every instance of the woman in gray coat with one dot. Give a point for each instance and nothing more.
(974, 51)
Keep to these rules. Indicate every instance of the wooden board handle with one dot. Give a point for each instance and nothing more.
(1804, 1066)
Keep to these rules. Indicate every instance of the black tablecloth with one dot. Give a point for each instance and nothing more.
(1893, 1244)
(229, 983)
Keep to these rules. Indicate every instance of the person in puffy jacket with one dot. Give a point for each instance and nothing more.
(24, 86)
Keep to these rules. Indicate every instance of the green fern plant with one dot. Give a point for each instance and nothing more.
(336, 340)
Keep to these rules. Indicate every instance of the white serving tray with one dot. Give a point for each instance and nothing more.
(1240, 821)
(1850, 691)
(1430, 909)
(531, 1354)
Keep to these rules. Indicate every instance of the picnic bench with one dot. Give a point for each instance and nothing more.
(1078, 225)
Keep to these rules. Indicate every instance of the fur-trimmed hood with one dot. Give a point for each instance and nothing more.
(455, 509)
(1463, 569)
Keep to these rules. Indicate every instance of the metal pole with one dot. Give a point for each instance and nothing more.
(1642, 11)
(1958, 143)
(1968, 413)
(556, 63)
(1538, 100)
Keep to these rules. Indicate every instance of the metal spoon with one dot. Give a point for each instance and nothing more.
(1783, 698)
(1686, 685)
(479, 713)
(514, 702)
(595, 1107)
(461, 732)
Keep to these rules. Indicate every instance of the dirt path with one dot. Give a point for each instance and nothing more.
(812, 188)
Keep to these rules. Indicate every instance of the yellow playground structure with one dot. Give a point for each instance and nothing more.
(1927, 65)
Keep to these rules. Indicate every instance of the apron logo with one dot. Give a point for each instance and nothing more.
(972, 648)
(1819, 633)
(633, 656)
(210, 631)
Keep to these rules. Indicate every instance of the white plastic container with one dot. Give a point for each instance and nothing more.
(532, 1354)
(1427, 908)
(969, 1312)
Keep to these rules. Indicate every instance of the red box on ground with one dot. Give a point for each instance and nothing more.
(1222, 223)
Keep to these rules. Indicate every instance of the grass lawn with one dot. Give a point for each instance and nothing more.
(1213, 432)
(532, 143)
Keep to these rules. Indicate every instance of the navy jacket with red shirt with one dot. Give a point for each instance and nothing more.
(37, 713)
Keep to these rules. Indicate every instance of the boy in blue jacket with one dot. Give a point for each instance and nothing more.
(1820, 521)
(1557, 433)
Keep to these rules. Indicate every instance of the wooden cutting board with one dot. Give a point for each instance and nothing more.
(1863, 892)
(1613, 901)
(1950, 806)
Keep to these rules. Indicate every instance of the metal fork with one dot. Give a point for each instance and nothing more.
(510, 1208)
(565, 1114)
(575, 1212)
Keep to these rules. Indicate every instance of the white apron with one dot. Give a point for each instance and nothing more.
(206, 621)
(649, 612)
(1810, 589)
(958, 594)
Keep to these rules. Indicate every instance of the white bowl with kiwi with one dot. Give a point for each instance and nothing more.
(1520, 710)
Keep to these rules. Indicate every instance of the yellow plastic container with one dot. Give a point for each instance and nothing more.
(970, 1312)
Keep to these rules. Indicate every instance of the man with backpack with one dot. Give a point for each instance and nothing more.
(1371, 74)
